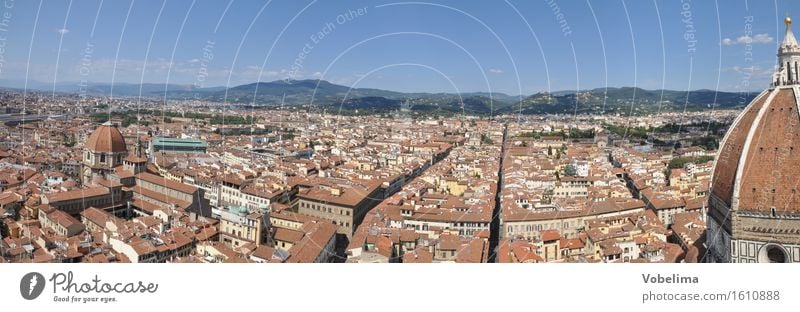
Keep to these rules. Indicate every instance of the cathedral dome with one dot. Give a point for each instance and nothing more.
(758, 167)
(106, 139)
(754, 205)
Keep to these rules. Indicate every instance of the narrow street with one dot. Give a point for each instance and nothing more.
(494, 227)
(342, 241)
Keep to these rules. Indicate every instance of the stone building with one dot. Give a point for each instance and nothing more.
(104, 150)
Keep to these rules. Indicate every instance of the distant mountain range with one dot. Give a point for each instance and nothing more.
(323, 94)
(636, 100)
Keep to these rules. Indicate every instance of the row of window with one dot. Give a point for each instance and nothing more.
(471, 224)
(537, 227)
(257, 199)
(84, 204)
(325, 208)
(283, 223)
(103, 158)
(571, 193)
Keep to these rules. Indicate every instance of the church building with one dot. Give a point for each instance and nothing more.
(754, 205)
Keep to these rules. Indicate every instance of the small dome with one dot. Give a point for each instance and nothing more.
(106, 139)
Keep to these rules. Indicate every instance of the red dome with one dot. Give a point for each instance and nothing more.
(759, 159)
(106, 139)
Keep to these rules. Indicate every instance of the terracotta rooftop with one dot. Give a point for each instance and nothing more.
(759, 157)
(77, 194)
(178, 186)
(106, 139)
(312, 245)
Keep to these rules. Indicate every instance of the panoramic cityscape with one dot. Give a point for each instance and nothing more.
(306, 164)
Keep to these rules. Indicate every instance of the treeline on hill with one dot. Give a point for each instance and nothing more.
(644, 133)
(340, 99)
(572, 133)
(131, 117)
(679, 162)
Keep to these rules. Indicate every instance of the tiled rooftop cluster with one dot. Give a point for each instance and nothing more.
(299, 186)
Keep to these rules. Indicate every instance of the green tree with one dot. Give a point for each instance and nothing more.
(679, 162)
(486, 140)
(570, 171)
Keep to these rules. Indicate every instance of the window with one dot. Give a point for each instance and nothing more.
(775, 254)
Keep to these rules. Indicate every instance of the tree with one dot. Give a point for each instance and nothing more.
(575, 133)
(570, 171)
(708, 142)
(486, 140)
(679, 162)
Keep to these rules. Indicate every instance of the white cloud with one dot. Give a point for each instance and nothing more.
(496, 71)
(62, 31)
(754, 71)
(757, 39)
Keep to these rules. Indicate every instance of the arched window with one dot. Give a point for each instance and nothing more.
(776, 255)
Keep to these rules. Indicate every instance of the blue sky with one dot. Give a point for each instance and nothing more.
(509, 46)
